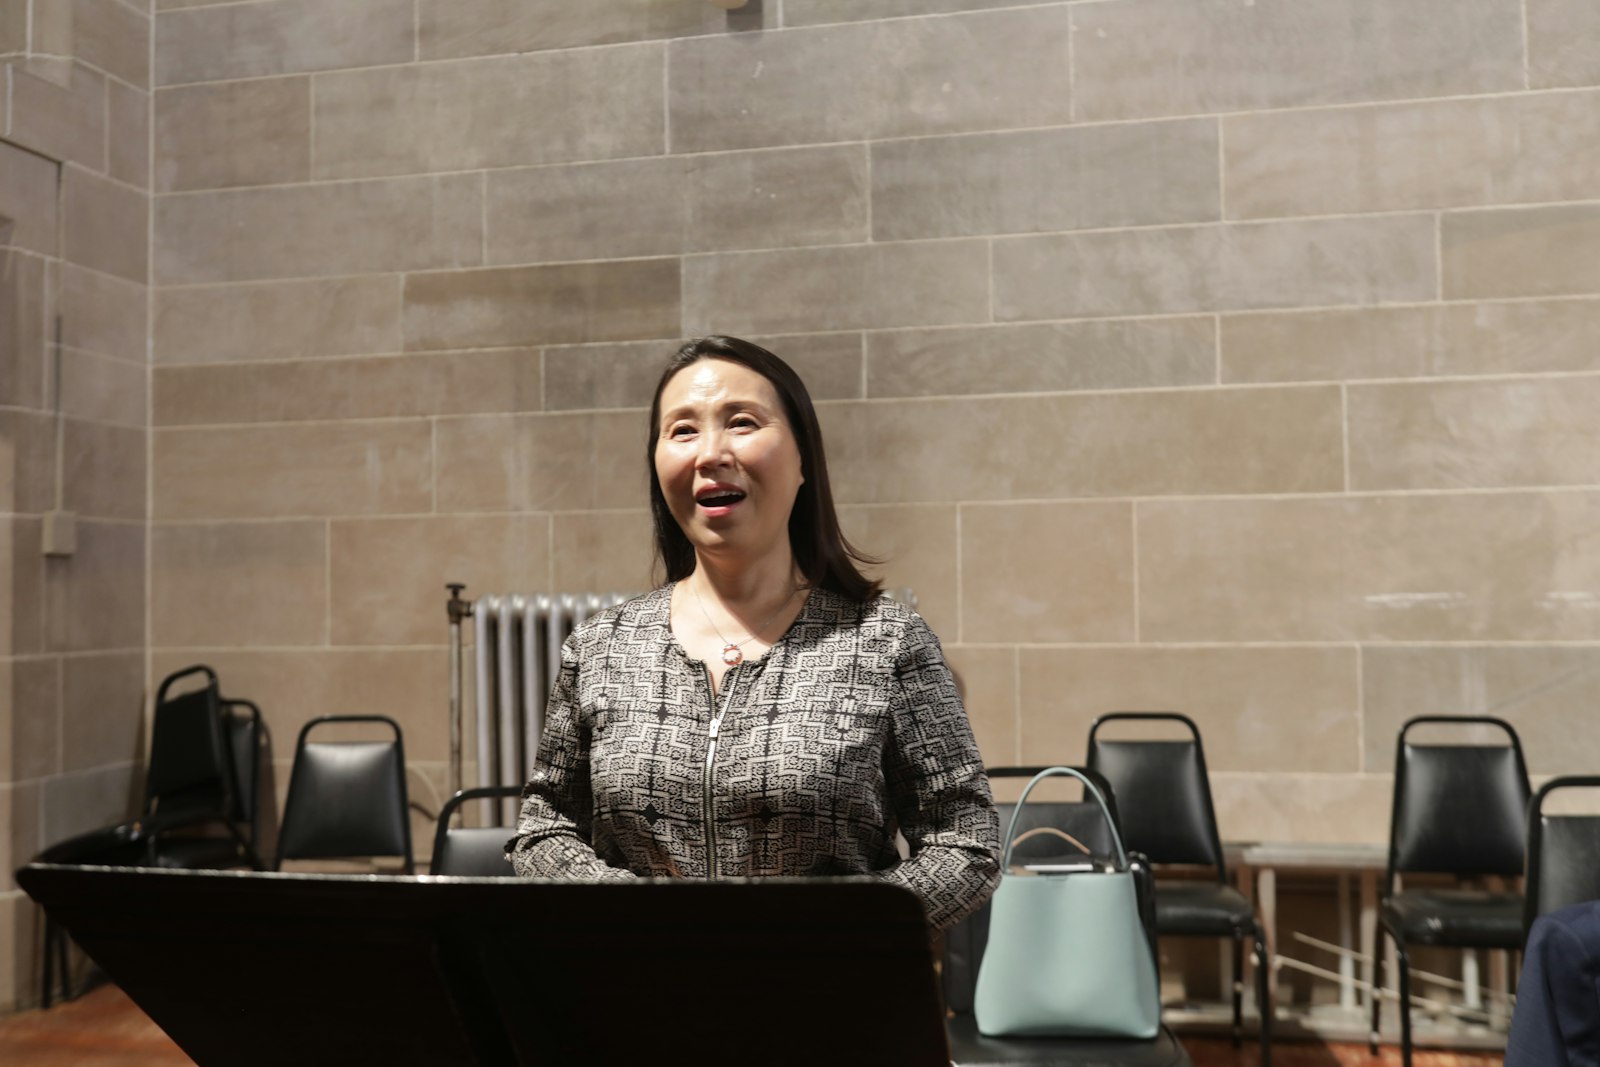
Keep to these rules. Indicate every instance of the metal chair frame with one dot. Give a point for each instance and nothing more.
(442, 835)
(1384, 926)
(1537, 897)
(297, 780)
(1211, 849)
(215, 778)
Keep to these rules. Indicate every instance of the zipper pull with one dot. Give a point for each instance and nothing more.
(716, 724)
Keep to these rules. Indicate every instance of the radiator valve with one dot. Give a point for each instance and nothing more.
(457, 608)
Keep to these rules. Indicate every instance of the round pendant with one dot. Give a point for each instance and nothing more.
(731, 655)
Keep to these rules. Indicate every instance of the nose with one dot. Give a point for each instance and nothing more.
(713, 451)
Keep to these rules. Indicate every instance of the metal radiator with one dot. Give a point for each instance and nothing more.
(517, 648)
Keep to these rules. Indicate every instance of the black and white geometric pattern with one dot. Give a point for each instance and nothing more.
(848, 729)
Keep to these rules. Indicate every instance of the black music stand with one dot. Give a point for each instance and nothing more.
(243, 968)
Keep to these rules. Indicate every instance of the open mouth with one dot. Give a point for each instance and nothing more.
(719, 498)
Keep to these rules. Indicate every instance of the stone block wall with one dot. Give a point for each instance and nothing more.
(1233, 357)
(74, 432)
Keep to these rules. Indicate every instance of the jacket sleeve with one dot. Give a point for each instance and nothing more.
(553, 831)
(937, 787)
(1557, 1018)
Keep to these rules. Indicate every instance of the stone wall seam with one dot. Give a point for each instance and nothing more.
(988, 251)
(1309, 495)
(1133, 536)
(108, 75)
(327, 581)
(288, 519)
(1072, 117)
(433, 470)
(1527, 77)
(1361, 704)
(1532, 205)
(101, 175)
(312, 650)
(355, 420)
(666, 100)
(961, 584)
(1019, 6)
(317, 361)
(171, 287)
(1344, 431)
(407, 64)
(311, 132)
(1449, 301)
(1205, 388)
(1216, 328)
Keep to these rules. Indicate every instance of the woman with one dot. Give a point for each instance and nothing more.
(765, 712)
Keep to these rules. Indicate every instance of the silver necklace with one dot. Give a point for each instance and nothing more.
(732, 654)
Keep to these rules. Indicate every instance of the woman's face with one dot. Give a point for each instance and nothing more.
(727, 459)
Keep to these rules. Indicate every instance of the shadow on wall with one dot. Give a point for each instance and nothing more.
(743, 15)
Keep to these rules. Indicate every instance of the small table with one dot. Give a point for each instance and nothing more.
(1258, 866)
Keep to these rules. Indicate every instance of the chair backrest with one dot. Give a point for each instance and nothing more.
(244, 730)
(1163, 791)
(1563, 853)
(189, 769)
(1458, 809)
(472, 851)
(347, 798)
(964, 943)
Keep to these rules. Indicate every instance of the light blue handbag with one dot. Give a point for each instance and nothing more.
(1067, 953)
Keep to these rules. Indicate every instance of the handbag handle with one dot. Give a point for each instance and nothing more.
(1051, 831)
(1089, 788)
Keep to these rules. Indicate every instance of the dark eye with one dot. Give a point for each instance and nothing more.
(743, 422)
(681, 431)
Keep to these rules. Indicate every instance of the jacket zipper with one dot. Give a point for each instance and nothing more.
(706, 812)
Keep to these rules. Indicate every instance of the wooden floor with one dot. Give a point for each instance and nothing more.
(103, 1028)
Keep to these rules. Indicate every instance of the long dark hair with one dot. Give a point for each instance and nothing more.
(824, 557)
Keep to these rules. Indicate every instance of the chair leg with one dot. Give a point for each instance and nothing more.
(55, 956)
(1238, 988)
(1264, 998)
(1402, 968)
(247, 849)
(1377, 988)
(47, 979)
(62, 945)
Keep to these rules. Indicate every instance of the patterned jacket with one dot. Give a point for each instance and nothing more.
(805, 764)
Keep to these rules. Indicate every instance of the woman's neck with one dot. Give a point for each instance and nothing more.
(748, 585)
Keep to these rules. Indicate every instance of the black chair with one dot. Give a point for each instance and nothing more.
(244, 739)
(1065, 829)
(1166, 811)
(1563, 854)
(347, 798)
(200, 779)
(472, 851)
(194, 779)
(1556, 994)
(1459, 810)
